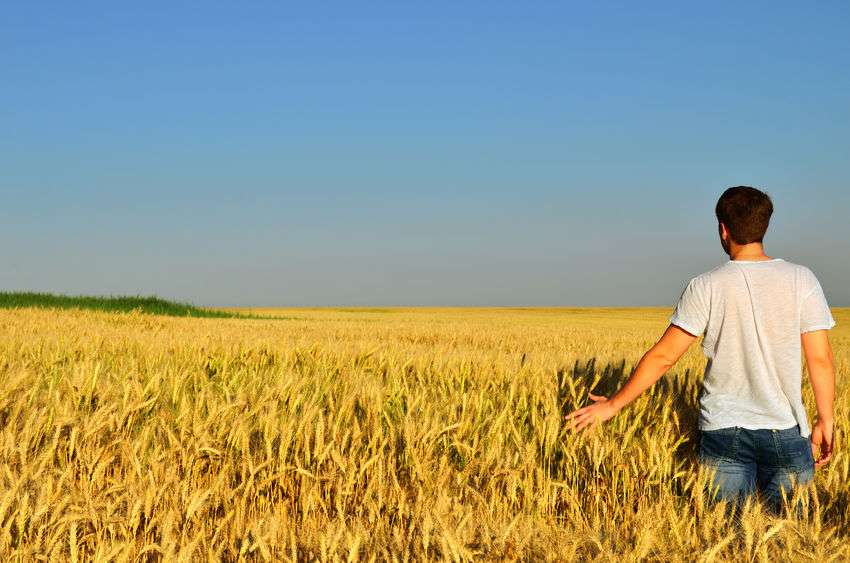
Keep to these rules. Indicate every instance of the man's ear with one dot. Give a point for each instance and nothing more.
(723, 233)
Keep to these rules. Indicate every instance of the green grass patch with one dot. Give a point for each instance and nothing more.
(124, 304)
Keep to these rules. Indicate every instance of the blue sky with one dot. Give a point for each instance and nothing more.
(386, 153)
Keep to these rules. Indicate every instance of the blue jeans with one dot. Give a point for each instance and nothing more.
(749, 462)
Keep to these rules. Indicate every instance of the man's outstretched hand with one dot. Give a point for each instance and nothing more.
(600, 411)
(657, 360)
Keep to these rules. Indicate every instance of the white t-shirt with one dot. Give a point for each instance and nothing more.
(751, 314)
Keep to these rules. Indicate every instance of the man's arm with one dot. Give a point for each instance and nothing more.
(819, 359)
(654, 363)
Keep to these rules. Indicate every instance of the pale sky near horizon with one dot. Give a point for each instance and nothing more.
(464, 153)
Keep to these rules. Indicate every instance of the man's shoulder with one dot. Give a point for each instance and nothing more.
(800, 268)
(705, 277)
(728, 272)
(699, 284)
(780, 263)
(801, 272)
(806, 278)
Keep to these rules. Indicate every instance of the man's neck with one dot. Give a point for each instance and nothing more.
(753, 251)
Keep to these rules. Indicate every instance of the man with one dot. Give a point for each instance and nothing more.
(754, 312)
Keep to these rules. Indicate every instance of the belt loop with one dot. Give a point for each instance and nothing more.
(735, 441)
(777, 443)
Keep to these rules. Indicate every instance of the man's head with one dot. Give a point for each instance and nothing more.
(743, 214)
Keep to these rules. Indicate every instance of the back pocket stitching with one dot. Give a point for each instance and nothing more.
(785, 457)
(729, 450)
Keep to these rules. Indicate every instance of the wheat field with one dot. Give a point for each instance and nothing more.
(370, 435)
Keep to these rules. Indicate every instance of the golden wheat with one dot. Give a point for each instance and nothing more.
(364, 435)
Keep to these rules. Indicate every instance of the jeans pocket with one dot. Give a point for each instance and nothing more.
(718, 444)
(795, 451)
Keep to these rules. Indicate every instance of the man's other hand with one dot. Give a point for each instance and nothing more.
(823, 442)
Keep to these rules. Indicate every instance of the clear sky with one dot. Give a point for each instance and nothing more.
(399, 153)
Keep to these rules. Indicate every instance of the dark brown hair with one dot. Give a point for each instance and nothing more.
(746, 213)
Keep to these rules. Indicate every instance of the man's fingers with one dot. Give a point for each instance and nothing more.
(825, 456)
(576, 413)
(587, 421)
(823, 441)
(580, 422)
(593, 421)
(583, 420)
(577, 419)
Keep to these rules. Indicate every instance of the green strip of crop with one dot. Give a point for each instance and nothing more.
(151, 305)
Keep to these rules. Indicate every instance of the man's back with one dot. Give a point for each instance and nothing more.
(751, 314)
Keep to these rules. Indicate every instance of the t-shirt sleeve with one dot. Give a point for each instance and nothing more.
(814, 310)
(692, 309)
